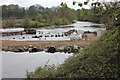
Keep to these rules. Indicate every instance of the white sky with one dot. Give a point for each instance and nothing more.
(44, 3)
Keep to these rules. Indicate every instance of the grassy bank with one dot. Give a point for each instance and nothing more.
(98, 60)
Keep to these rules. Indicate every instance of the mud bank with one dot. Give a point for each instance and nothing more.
(9, 45)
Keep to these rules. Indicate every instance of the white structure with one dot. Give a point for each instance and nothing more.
(11, 30)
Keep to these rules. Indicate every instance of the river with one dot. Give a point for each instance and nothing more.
(79, 25)
(14, 65)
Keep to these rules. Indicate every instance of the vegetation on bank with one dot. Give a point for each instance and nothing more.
(104, 12)
(24, 17)
(98, 60)
(100, 12)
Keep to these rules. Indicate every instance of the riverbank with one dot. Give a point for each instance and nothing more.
(10, 45)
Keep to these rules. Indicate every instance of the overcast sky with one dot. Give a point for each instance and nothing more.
(44, 3)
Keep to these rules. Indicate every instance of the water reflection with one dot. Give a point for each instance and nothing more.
(14, 65)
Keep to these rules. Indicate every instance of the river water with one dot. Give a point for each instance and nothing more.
(14, 65)
(79, 25)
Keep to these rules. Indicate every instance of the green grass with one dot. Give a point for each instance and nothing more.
(98, 60)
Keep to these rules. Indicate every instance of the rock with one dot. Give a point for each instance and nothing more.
(23, 37)
(46, 35)
(62, 35)
(30, 46)
(30, 50)
(60, 49)
(35, 36)
(30, 31)
(25, 48)
(13, 38)
(52, 35)
(19, 50)
(51, 50)
(74, 48)
(34, 49)
(40, 36)
(70, 32)
(56, 35)
(67, 49)
(65, 34)
(71, 49)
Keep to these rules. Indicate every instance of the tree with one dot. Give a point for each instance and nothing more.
(48, 14)
(67, 13)
(32, 12)
(39, 8)
(40, 18)
(26, 23)
(12, 11)
(99, 9)
(4, 11)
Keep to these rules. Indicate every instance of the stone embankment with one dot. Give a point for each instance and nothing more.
(48, 46)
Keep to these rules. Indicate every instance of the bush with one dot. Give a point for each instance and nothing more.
(100, 59)
(26, 23)
(40, 72)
